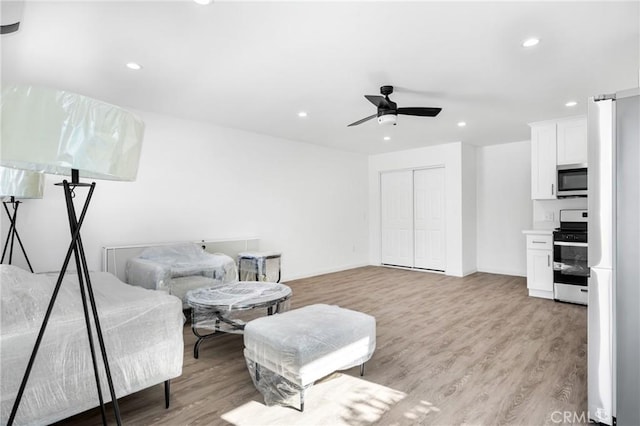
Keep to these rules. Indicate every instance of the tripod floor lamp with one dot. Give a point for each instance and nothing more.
(59, 132)
(17, 184)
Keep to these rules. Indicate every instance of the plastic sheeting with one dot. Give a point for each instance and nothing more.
(20, 183)
(295, 349)
(259, 266)
(276, 389)
(54, 131)
(228, 307)
(143, 332)
(161, 267)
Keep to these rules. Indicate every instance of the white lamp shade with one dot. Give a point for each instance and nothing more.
(54, 131)
(20, 183)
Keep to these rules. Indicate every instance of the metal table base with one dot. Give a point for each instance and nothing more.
(273, 307)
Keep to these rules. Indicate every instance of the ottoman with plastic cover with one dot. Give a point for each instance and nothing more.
(286, 353)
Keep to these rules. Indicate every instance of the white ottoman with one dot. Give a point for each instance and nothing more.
(287, 352)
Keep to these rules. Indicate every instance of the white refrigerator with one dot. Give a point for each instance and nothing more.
(614, 258)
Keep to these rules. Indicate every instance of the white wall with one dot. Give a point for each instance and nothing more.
(198, 181)
(546, 213)
(504, 207)
(448, 155)
(469, 209)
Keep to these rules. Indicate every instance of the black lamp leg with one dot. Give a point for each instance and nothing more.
(80, 255)
(13, 229)
(10, 233)
(76, 248)
(13, 233)
(73, 225)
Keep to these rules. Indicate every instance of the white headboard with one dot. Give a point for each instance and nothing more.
(114, 259)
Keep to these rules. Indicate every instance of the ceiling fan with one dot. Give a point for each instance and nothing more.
(388, 110)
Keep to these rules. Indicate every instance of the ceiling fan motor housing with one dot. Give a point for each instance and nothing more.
(11, 16)
(388, 119)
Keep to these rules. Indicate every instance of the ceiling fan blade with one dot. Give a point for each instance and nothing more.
(422, 112)
(363, 120)
(378, 101)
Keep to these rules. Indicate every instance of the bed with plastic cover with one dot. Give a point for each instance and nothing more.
(143, 333)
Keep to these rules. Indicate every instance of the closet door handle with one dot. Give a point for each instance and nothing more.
(552, 188)
(549, 260)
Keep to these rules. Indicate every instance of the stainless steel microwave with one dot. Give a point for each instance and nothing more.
(572, 180)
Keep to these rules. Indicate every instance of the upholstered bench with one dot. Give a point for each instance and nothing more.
(286, 353)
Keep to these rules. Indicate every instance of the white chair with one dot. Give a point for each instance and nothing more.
(178, 268)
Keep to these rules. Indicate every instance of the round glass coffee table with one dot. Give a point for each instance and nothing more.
(226, 308)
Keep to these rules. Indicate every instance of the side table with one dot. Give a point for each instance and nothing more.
(259, 266)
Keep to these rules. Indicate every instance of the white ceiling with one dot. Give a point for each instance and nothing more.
(255, 65)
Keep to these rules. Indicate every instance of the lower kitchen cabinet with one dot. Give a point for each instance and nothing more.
(540, 264)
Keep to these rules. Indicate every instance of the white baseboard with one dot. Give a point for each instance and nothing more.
(541, 293)
(360, 265)
(502, 272)
(472, 271)
(322, 272)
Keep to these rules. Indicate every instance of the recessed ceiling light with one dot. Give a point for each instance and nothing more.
(302, 114)
(387, 138)
(134, 66)
(530, 42)
(461, 124)
(571, 104)
(203, 2)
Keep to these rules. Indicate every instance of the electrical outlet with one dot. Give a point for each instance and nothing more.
(548, 216)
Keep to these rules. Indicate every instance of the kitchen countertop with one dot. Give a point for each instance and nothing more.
(538, 231)
(541, 228)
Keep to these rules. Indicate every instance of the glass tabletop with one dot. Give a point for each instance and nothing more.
(239, 295)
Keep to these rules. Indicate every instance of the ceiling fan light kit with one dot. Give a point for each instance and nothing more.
(388, 110)
(388, 120)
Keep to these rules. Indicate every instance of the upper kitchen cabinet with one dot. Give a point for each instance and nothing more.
(543, 161)
(572, 141)
(554, 143)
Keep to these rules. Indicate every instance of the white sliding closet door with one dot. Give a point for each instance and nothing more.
(413, 218)
(429, 219)
(396, 196)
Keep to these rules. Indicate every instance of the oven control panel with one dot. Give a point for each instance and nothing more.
(570, 237)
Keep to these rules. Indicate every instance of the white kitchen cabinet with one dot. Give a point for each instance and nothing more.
(572, 141)
(554, 143)
(543, 161)
(540, 264)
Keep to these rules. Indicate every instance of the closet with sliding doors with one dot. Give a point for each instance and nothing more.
(413, 218)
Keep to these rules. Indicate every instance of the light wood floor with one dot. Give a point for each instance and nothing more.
(473, 350)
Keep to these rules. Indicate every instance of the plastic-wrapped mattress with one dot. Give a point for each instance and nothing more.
(143, 333)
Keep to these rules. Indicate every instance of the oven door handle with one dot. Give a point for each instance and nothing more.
(558, 266)
(564, 243)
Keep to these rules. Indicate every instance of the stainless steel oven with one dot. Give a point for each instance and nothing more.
(572, 180)
(570, 249)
